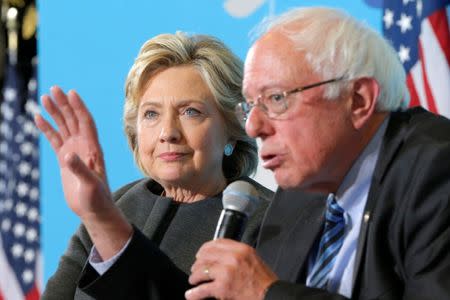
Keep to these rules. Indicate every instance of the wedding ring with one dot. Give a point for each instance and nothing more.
(206, 272)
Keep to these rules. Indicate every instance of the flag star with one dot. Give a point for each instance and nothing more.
(404, 23)
(8, 204)
(31, 235)
(29, 255)
(419, 7)
(6, 225)
(2, 185)
(10, 94)
(35, 174)
(2, 205)
(21, 209)
(5, 130)
(34, 193)
(19, 138)
(3, 167)
(19, 230)
(29, 128)
(27, 276)
(405, 2)
(22, 189)
(31, 107)
(403, 53)
(3, 147)
(33, 214)
(24, 168)
(17, 250)
(7, 112)
(32, 84)
(388, 18)
(26, 148)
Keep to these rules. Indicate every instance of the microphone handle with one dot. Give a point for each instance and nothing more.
(231, 225)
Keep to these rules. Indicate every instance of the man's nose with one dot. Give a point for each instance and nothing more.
(256, 122)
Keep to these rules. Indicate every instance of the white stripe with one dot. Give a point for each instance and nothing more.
(437, 68)
(9, 286)
(417, 78)
(39, 272)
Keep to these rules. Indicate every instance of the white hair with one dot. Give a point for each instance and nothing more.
(336, 44)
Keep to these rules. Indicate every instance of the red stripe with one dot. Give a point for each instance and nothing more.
(439, 23)
(33, 294)
(1, 296)
(429, 95)
(412, 91)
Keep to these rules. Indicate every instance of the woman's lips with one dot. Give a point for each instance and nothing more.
(171, 156)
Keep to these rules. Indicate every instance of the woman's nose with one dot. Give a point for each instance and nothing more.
(170, 131)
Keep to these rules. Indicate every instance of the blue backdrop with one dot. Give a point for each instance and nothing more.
(90, 45)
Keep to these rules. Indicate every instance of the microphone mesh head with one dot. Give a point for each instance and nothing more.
(240, 196)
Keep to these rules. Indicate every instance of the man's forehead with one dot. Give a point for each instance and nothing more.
(272, 59)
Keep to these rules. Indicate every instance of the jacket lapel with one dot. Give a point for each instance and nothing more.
(392, 140)
(290, 228)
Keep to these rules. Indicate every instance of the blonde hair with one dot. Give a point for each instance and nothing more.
(337, 44)
(222, 72)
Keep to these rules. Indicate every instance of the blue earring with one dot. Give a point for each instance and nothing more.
(228, 150)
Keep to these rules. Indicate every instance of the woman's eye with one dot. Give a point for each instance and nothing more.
(192, 112)
(150, 114)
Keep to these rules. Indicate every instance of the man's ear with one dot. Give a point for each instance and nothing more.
(364, 100)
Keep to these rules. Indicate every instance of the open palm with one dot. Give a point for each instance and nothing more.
(78, 150)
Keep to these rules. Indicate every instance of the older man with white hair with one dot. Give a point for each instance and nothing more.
(363, 208)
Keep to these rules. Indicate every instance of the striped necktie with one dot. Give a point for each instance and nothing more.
(330, 243)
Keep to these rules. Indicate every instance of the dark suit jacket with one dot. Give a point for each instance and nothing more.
(404, 245)
(143, 271)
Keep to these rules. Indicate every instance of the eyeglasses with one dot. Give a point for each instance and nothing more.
(273, 103)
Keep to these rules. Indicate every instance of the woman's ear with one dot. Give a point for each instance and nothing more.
(364, 100)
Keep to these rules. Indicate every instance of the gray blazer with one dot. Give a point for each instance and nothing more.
(145, 210)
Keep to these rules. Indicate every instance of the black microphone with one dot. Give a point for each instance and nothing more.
(239, 200)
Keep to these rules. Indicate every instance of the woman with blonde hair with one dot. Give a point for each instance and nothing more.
(141, 241)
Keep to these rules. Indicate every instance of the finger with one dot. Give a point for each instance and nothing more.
(85, 120)
(215, 249)
(56, 115)
(65, 109)
(49, 132)
(79, 168)
(201, 273)
(202, 291)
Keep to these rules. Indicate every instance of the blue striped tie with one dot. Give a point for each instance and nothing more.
(330, 243)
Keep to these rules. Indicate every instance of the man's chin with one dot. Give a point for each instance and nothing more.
(285, 181)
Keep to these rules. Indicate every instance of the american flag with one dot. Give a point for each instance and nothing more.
(20, 254)
(419, 31)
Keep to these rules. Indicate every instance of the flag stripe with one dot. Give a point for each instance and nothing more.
(420, 33)
(429, 96)
(440, 25)
(415, 101)
(417, 79)
(437, 69)
(9, 285)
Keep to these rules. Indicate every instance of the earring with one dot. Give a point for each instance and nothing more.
(228, 150)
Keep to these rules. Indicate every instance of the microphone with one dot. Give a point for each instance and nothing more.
(239, 200)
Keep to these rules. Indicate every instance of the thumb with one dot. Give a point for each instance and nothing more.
(79, 168)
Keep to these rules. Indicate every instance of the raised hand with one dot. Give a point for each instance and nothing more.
(82, 170)
(78, 150)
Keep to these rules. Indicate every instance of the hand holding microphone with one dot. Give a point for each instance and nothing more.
(225, 268)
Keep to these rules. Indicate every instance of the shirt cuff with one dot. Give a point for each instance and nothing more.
(101, 266)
